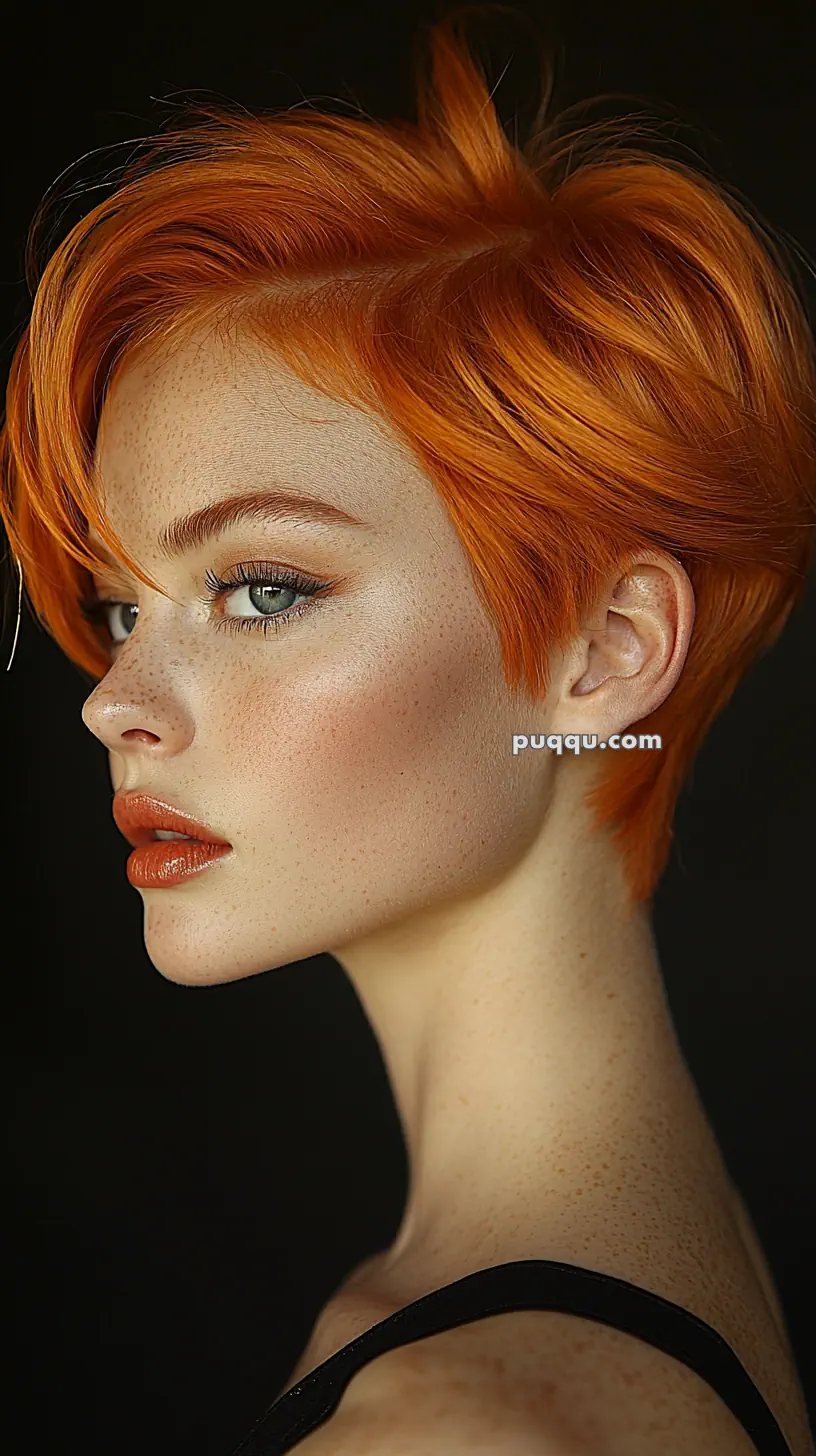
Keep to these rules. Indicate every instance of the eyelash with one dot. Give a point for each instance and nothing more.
(254, 574)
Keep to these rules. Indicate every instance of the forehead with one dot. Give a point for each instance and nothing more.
(216, 417)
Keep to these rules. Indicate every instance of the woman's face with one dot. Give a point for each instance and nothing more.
(359, 759)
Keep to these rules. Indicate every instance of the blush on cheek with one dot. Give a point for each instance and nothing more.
(359, 790)
(358, 737)
(400, 714)
(346, 727)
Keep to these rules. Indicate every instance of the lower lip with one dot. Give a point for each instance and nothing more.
(166, 862)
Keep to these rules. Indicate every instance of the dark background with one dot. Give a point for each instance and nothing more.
(190, 1173)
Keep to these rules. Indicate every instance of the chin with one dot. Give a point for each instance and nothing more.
(203, 950)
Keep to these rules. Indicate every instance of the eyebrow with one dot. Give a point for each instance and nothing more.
(185, 533)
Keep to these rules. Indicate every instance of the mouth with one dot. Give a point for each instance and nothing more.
(143, 819)
(169, 848)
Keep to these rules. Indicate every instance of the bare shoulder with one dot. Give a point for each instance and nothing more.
(529, 1382)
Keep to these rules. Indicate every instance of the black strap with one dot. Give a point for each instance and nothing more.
(524, 1284)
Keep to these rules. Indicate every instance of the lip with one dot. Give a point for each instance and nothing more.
(138, 815)
(157, 863)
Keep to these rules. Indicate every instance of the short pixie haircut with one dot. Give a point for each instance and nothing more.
(592, 351)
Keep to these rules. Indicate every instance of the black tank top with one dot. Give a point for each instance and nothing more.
(524, 1284)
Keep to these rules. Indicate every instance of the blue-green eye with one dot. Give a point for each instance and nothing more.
(266, 591)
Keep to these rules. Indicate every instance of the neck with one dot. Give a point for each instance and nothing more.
(532, 1057)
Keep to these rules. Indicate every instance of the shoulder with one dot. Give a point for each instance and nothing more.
(444, 1415)
(531, 1382)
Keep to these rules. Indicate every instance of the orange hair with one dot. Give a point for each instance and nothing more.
(590, 356)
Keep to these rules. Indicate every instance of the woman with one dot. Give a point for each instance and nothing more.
(383, 476)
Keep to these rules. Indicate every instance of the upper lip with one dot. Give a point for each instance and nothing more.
(139, 815)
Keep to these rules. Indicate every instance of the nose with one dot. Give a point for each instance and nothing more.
(128, 723)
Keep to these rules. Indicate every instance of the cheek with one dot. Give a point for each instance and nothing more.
(407, 746)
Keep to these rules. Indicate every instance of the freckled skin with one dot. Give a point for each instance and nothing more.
(313, 750)
(360, 764)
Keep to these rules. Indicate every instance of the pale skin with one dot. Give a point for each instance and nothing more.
(360, 764)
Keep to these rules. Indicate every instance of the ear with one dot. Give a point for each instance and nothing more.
(631, 649)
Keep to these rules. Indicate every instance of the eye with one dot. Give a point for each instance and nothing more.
(118, 618)
(121, 619)
(267, 597)
(259, 597)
